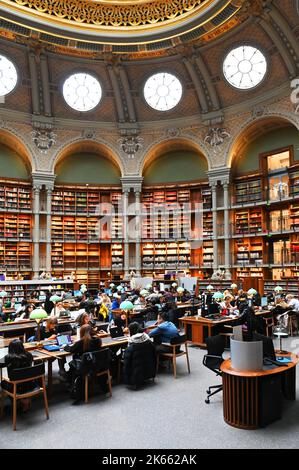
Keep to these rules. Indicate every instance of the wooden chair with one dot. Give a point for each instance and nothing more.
(22, 376)
(97, 366)
(172, 356)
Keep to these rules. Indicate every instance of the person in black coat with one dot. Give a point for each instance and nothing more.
(88, 342)
(140, 358)
(18, 358)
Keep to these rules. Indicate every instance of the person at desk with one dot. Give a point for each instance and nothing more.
(163, 333)
(55, 312)
(226, 306)
(48, 305)
(139, 358)
(88, 342)
(293, 304)
(26, 313)
(17, 358)
(49, 330)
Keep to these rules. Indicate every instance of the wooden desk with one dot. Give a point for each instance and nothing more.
(199, 328)
(254, 399)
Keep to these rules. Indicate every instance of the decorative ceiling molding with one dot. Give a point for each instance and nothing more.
(120, 27)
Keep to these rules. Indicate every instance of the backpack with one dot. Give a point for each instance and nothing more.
(77, 389)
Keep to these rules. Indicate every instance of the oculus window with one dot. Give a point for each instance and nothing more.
(8, 76)
(163, 91)
(82, 92)
(245, 67)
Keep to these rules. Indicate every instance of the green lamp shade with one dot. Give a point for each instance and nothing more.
(209, 287)
(180, 290)
(3, 294)
(143, 292)
(119, 288)
(38, 314)
(112, 285)
(234, 286)
(126, 305)
(218, 296)
(252, 292)
(148, 286)
(55, 299)
(278, 289)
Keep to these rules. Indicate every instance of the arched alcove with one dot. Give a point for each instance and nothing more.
(177, 165)
(12, 164)
(86, 167)
(249, 159)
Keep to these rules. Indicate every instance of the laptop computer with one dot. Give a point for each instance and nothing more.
(116, 332)
(63, 340)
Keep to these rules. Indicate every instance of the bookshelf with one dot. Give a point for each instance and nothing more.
(15, 226)
(166, 255)
(248, 221)
(117, 256)
(294, 216)
(15, 256)
(247, 192)
(249, 251)
(24, 289)
(207, 254)
(15, 198)
(82, 201)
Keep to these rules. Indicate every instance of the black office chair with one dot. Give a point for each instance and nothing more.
(213, 361)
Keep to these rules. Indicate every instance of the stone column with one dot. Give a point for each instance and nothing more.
(227, 234)
(36, 231)
(48, 229)
(126, 234)
(34, 83)
(138, 234)
(215, 227)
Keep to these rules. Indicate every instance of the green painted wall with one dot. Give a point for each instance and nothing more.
(12, 165)
(176, 166)
(249, 160)
(87, 168)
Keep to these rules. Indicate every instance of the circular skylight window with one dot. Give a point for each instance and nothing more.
(163, 91)
(82, 91)
(245, 67)
(8, 76)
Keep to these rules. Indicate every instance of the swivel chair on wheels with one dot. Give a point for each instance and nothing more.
(213, 361)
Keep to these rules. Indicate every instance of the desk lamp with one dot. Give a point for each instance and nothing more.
(234, 286)
(38, 314)
(180, 291)
(55, 299)
(252, 292)
(126, 306)
(218, 296)
(278, 289)
(144, 293)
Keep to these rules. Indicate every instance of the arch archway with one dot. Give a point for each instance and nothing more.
(92, 161)
(251, 130)
(16, 154)
(181, 156)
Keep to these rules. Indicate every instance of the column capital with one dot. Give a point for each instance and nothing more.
(37, 188)
(219, 175)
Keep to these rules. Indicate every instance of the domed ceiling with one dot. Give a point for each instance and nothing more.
(139, 27)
